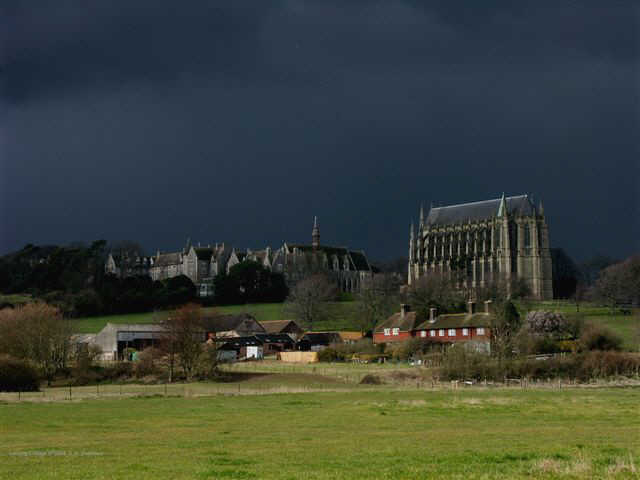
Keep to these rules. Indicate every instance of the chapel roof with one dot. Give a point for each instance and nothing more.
(520, 205)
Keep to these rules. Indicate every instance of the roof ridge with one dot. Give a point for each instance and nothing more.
(478, 201)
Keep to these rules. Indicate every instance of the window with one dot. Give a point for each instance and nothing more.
(387, 331)
(432, 333)
(423, 333)
(452, 332)
(441, 333)
(465, 332)
(396, 331)
(480, 330)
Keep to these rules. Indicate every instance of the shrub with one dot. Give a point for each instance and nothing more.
(117, 371)
(414, 346)
(598, 337)
(17, 375)
(146, 363)
(371, 380)
(330, 354)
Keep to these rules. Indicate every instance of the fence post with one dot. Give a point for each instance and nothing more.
(69, 392)
(18, 395)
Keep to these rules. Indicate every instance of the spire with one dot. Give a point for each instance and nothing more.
(412, 231)
(541, 209)
(315, 234)
(502, 210)
(187, 247)
(421, 216)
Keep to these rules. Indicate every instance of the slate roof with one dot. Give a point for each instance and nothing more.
(321, 338)
(457, 320)
(357, 260)
(226, 323)
(238, 342)
(519, 206)
(396, 320)
(273, 338)
(166, 259)
(204, 253)
(277, 326)
(360, 260)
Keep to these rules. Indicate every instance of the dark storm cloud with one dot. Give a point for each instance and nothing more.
(239, 121)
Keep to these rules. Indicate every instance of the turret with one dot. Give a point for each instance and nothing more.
(315, 234)
(502, 209)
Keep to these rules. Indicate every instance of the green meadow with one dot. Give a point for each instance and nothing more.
(341, 318)
(377, 434)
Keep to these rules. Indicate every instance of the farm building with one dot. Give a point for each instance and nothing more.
(274, 343)
(115, 338)
(239, 325)
(244, 347)
(316, 341)
(289, 327)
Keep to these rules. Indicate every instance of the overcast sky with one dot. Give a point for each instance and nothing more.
(236, 121)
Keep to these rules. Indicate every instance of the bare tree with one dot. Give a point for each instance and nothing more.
(619, 283)
(308, 300)
(36, 332)
(377, 300)
(183, 338)
(505, 324)
(437, 291)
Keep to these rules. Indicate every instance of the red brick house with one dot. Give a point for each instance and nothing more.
(445, 328)
(397, 328)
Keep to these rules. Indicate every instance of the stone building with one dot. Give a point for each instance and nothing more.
(504, 238)
(124, 265)
(199, 264)
(350, 269)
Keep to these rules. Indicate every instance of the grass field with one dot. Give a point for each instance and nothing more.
(385, 434)
(342, 316)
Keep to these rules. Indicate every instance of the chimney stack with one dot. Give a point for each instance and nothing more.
(487, 306)
(432, 315)
(404, 309)
(471, 307)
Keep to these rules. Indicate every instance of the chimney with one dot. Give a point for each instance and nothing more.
(404, 309)
(432, 315)
(487, 306)
(471, 307)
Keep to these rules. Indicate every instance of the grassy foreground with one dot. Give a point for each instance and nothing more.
(337, 435)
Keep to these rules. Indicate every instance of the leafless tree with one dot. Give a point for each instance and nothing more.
(619, 283)
(36, 332)
(377, 300)
(308, 300)
(437, 291)
(183, 338)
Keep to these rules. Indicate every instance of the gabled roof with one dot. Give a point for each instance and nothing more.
(360, 260)
(457, 320)
(404, 324)
(356, 260)
(519, 205)
(166, 259)
(226, 323)
(277, 326)
(204, 253)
